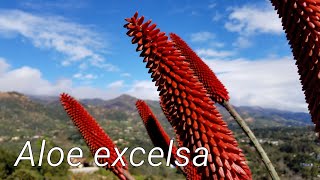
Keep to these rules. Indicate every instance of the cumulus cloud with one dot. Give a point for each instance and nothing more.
(84, 76)
(29, 80)
(271, 82)
(214, 53)
(84, 92)
(250, 20)
(202, 36)
(116, 84)
(144, 89)
(3, 65)
(242, 42)
(49, 5)
(78, 43)
(125, 75)
(217, 16)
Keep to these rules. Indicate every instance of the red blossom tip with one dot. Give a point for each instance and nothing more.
(92, 133)
(190, 111)
(155, 131)
(213, 85)
(161, 139)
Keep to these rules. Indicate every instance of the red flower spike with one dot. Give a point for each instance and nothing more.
(206, 76)
(300, 20)
(168, 68)
(161, 139)
(155, 131)
(190, 170)
(92, 133)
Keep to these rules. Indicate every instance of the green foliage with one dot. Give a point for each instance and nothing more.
(298, 146)
(25, 174)
(297, 154)
(7, 160)
(26, 170)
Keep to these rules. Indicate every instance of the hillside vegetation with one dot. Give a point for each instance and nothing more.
(287, 137)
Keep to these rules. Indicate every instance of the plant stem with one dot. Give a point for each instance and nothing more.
(253, 139)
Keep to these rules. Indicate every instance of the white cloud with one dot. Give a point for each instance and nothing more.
(252, 19)
(49, 5)
(29, 80)
(105, 66)
(116, 84)
(217, 16)
(3, 65)
(145, 89)
(213, 53)
(202, 36)
(84, 76)
(216, 44)
(83, 66)
(84, 92)
(125, 75)
(271, 82)
(78, 43)
(242, 42)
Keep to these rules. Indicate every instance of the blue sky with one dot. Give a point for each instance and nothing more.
(80, 47)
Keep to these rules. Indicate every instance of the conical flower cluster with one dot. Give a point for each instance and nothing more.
(92, 133)
(301, 21)
(155, 131)
(191, 111)
(206, 76)
(161, 139)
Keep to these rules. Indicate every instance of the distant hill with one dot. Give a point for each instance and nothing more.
(256, 117)
(34, 118)
(29, 116)
(122, 103)
(278, 116)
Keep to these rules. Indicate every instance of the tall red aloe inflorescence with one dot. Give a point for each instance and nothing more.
(219, 93)
(301, 22)
(190, 170)
(92, 133)
(161, 139)
(214, 87)
(193, 114)
(155, 131)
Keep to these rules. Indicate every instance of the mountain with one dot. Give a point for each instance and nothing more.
(122, 103)
(18, 113)
(24, 118)
(252, 114)
(27, 116)
(279, 116)
(123, 106)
